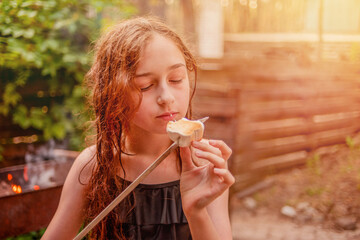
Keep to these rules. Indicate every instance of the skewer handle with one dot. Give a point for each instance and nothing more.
(126, 192)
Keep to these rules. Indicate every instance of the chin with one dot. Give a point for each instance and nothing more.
(161, 131)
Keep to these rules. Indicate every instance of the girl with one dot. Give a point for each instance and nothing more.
(141, 81)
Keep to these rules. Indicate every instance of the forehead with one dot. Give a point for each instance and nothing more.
(159, 53)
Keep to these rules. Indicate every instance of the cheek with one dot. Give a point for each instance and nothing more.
(141, 115)
(184, 97)
(136, 99)
(187, 97)
(187, 93)
(143, 107)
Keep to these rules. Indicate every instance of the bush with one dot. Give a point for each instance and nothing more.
(35, 235)
(43, 59)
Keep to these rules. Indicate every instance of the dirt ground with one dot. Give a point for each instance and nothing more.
(270, 225)
(328, 185)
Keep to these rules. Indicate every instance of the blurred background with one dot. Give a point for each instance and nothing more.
(280, 80)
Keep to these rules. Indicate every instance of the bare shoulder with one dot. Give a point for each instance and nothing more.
(81, 170)
(68, 219)
(87, 154)
(84, 164)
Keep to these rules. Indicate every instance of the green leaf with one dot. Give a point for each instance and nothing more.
(10, 96)
(29, 33)
(21, 13)
(23, 76)
(31, 14)
(6, 31)
(36, 112)
(77, 92)
(47, 132)
(17, 33)
(57, 112)
(58, 130)
(21, 109)
(4, 109)
(70, 58)
(37, 123)
(20, 117)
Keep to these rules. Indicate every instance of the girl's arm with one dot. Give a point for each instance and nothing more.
(69, 216)
(204, 190)
(218, 211)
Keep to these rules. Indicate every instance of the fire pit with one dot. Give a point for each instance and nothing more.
(30, 193)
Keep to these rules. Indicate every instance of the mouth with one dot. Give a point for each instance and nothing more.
(168, 116)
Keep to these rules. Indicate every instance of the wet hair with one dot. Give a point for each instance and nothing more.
(110, 80)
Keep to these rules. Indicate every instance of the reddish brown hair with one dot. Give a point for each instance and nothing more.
(111, 82)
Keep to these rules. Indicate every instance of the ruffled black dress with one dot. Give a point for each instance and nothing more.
(156, 213)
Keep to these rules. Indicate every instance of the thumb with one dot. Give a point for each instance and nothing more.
(185, 155)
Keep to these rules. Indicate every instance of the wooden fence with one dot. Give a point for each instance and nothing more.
(278, 121)
(274, 115)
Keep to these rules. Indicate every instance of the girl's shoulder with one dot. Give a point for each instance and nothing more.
(84, 164)
(88, 153)
(65, 224)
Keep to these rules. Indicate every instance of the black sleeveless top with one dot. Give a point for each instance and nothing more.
(156, 213)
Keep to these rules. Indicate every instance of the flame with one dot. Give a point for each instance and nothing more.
(26, 174)
(36, 187)
(16, 188)
(9, 176)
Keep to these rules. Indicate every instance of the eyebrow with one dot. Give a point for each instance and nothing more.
(172, 67)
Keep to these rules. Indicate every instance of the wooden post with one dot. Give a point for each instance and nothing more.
(320, 29)
(211, 29)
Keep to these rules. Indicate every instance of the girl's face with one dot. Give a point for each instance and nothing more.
(163, 79)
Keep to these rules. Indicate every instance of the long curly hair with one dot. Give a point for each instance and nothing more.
(110, 80)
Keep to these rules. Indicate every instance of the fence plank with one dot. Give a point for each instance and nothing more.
(302, 111)
(302, 129)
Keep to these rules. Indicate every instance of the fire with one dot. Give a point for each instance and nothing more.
(36, 187)
(9, 177)
(16, 188)
(26, 174)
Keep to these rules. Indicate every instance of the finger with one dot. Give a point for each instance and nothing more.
(211, 157)
(224, 148)
(186, 161)
(226, 176)
(205, 146)
(197, 161)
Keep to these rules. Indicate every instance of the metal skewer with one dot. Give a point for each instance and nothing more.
(126, 192)
(131, 187)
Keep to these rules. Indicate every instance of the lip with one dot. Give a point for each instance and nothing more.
(168, 116)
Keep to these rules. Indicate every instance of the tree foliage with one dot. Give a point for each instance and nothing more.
(44, 54)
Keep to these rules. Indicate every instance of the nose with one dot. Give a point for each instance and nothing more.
(165, 96)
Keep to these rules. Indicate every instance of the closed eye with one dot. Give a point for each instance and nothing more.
(176, 80)
(146, 88)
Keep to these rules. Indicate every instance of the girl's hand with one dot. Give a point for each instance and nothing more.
(200, 185)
